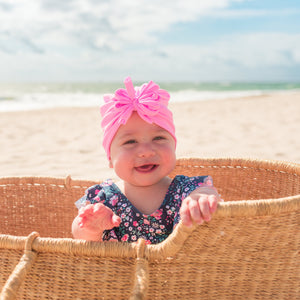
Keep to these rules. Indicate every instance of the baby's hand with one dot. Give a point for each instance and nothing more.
(92, 220)
(95, 216)
(199, 206)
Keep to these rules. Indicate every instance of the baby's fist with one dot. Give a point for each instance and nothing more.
(199, 206)
(98, 216)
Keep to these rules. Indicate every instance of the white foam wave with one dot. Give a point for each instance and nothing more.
(34, 101)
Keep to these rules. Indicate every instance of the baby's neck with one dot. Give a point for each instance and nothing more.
(147, 199)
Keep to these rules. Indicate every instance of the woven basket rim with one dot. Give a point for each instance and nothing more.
(279, 165)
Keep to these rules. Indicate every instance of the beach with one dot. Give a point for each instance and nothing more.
(58, 142)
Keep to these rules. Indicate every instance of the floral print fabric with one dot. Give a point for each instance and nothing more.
(153, 228)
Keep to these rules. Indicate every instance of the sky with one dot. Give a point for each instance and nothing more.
(169, 40)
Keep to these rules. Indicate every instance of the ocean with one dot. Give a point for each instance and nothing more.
(32, 96)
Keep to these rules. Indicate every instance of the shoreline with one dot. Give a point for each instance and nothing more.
(74, 100)
(57, 142)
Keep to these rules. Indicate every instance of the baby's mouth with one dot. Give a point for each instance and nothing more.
(146, 168)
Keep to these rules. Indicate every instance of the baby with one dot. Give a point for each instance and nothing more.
(140, 143)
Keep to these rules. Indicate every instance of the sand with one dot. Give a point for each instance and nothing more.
(62, 141)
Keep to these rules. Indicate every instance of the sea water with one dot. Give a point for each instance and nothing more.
(31, 96)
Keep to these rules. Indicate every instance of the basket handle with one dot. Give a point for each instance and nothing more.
(141, 280)
(16, 278)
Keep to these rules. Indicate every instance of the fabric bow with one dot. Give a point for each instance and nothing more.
(149, 101)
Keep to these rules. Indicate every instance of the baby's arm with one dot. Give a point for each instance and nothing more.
(92, 220)
(199, 205)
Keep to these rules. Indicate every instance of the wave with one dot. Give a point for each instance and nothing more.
(31, 97)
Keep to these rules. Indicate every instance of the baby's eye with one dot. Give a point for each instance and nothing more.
(130, 142)
(158, 138)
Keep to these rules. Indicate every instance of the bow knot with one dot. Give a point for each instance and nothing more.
(135, 103)
(146, 100)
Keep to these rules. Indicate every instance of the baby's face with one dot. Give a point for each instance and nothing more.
(142, 153)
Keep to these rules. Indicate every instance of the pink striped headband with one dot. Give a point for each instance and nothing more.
(149, 101)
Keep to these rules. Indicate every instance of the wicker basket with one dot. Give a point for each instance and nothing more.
(250, 250)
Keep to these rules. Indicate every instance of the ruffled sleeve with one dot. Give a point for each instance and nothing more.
(94, 194)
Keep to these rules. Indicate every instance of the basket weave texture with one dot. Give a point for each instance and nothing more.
(250, 249)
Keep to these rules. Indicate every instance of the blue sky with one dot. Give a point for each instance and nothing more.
(170, 40)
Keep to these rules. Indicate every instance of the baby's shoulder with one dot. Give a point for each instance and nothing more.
(105, 187)
(183, 180)
(98, 193)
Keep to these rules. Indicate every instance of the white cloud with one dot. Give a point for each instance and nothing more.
(261, 49)
(238, 57)
(248, 55)
(249, 50)
(95, 24)
(250, 13)
(92, 40)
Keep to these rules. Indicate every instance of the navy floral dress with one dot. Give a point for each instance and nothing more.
(153, 228)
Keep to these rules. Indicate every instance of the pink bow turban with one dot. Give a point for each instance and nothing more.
(149, 101)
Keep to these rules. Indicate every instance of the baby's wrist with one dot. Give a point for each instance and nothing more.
(84, 234)
(91, 235)
(94, 238)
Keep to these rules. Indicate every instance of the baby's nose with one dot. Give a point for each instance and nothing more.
(145, 150)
